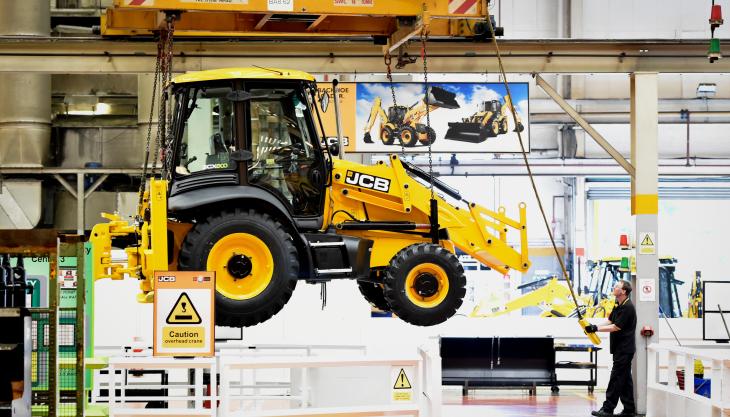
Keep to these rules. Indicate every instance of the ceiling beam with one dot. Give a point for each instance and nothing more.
(91, 55)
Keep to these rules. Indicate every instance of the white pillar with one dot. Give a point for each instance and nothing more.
(645, 207)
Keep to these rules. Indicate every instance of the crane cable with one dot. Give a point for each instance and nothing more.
(592, 336)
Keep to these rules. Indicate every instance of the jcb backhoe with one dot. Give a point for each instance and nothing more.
(491, 120)
(249, 190)
(404, 123)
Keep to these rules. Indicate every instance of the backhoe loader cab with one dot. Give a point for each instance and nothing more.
(490, 106)
(249, 191)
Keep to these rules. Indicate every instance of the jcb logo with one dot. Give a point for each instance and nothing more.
(166, 278)
(367, 181)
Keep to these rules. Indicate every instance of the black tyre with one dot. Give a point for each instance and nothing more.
(387, 136)
(374, 295)
(495, 128)
(503, 126)
(426, 135)
(424, 284)
(255, 261)
(408, 136)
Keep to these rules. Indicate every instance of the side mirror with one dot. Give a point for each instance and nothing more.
(334, 149)
(324, 102)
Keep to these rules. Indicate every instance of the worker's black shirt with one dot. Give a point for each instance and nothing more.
(623, 316)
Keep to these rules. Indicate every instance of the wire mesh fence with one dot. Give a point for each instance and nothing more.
(42, 395)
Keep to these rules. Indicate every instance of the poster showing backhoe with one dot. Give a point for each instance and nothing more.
(453, 117)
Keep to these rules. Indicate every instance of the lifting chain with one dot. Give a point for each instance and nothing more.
(389, 74)
(162, 76)
(424, 57)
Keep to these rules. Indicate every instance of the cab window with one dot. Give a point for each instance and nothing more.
(208, 137)
(284, 158)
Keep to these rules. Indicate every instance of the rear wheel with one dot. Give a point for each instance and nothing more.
(425, 284)
(408, 136)
(387, 135)
(255, 262)
(426, 135)
(374, 294)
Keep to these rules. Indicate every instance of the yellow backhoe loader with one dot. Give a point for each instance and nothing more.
(249, 190)
(404, 123)
(553, 298)
(491, 120)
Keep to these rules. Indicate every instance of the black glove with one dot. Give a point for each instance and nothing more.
(591, 328)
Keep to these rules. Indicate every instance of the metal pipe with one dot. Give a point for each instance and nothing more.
(80, 203)
(338, 120)
(621, 117)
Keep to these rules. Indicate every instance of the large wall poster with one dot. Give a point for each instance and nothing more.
(464, 117)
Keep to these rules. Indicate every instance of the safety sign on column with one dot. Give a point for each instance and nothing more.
(184, 313)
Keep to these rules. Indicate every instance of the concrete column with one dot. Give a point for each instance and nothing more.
(645, 207)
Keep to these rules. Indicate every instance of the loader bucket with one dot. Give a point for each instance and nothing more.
(440, 97)
(466, 132)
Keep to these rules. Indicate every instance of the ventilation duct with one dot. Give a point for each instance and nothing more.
(25, 118)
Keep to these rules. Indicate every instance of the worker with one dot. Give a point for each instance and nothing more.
(622, 325)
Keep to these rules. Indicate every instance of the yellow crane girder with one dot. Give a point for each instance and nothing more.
(397, 20)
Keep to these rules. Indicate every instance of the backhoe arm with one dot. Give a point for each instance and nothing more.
(376, 111)
(552, 298)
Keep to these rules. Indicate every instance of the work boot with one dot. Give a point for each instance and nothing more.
(602, 413)
(625, 413)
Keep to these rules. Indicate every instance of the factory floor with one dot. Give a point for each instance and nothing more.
(570, 402)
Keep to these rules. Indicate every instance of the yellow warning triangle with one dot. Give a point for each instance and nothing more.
(647, 241)
(183, 312)
(402, 381)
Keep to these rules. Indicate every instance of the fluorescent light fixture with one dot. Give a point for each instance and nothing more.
(706, 90)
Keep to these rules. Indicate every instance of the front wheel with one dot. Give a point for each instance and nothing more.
(255, 262)
(425, 284)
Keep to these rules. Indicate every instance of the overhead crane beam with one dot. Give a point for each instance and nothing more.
(297, 18)
(93, 55)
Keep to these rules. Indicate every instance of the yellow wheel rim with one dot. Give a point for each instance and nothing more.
(384, 135)
(257, 257)
(407, 136)
(441, 279)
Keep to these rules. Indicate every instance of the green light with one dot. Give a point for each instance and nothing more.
(714, 52)
(624, 264)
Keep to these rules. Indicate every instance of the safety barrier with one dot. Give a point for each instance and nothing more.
(273, 381)
(667, 397)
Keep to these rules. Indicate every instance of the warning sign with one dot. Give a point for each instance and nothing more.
(183, 312)
(402, 387)
(647, 245)
(184, 315)
(402, 381)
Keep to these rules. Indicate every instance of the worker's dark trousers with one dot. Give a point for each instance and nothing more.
(620, 386)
